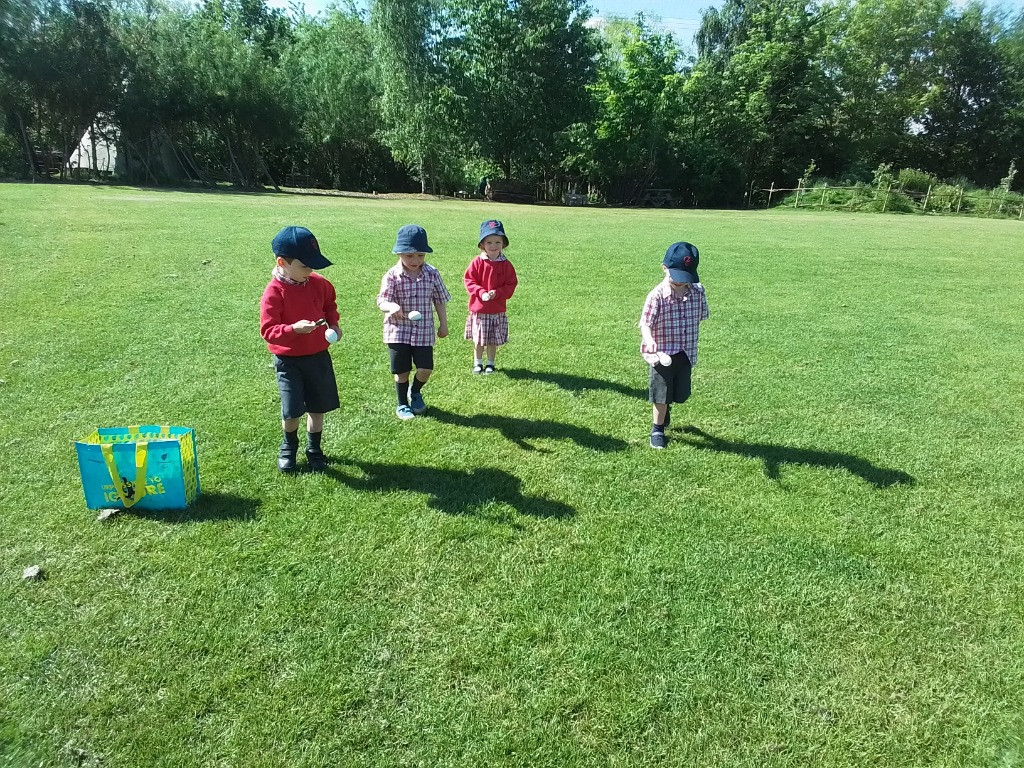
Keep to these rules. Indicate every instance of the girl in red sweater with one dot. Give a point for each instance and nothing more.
(491, 281)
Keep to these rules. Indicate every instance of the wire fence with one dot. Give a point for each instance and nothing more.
(941, 198)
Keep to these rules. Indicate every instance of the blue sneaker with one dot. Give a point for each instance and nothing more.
(404, 412)
(416, 402)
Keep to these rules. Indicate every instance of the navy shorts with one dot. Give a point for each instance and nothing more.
(671, 383)
(307, 384)
(404, 355)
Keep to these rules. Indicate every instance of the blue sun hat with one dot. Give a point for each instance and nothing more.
(492, 227)
(681, 261)
(299, 243)
(412, 238)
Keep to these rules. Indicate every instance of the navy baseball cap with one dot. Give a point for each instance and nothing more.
(412, 238)
(492, 227)
(681, 261)
(299, 243)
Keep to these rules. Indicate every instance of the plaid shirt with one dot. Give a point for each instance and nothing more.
(411, 293)
(675, 320)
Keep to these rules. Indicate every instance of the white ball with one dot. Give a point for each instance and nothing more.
(415, 316)
(331, 336)
(664, 359)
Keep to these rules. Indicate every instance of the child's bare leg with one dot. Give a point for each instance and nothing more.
(492, 350)
(660, 410)
(289, 425)
(314, 422)
(422, 374)
(402, 378)
(478, 351)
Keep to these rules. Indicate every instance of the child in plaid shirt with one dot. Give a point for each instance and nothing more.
(490, 281)
(668, 326)
(409, 293)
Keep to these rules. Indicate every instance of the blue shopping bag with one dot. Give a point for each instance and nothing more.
(145, 467)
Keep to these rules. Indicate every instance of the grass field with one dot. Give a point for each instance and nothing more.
(825, 567)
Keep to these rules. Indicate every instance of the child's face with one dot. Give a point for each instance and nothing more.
(412, 262)
(492, 245)
(294, 269)
(677, 288)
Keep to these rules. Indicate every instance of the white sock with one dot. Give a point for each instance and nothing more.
(491, 362)
(478, 361)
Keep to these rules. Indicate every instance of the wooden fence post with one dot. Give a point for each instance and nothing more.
(886, 201)
(823, 191)
(959, 198)
(927, 195)
(799, 183)
(770, 193)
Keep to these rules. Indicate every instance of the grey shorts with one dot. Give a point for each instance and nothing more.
(307, 384)
(404, 355)
(671, 383)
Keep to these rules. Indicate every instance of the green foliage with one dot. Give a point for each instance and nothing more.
(1006, 183)
(914, 180)
(637, 102)
(12, 159)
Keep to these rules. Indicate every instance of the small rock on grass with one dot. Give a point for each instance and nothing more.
(33, 573)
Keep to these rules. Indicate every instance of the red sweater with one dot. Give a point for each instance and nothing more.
(486, 275)
(283, 304)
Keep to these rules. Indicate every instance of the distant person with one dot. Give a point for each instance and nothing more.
(669, 325)
(490, 280)
(297, 311)
(484, 184)
(410, 292)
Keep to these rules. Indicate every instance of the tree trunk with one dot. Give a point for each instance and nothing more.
(423, 175)
(27, 147)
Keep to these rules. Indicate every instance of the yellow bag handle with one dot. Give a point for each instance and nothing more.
(128, 493)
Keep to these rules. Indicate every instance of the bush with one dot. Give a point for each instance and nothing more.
(12, 162)
(913, 180)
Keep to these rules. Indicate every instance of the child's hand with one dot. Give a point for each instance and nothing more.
(304, 326)
(395, 314)
(442, 330)
(486, 295)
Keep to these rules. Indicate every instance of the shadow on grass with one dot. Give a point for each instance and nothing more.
(573, 383)
(520, 430)
(208, 508)
(452, 491)
(774, 456)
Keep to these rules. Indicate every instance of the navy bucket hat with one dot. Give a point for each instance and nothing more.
(681, 261)
(492, 227)
(299, 243)
(412, 238)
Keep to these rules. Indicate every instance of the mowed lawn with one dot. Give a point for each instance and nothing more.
(824, 568)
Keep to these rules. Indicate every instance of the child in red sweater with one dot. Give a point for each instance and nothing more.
(299, 320)
(491, 281)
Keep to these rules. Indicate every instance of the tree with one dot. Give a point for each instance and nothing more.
(421, 112)
(330, 68)
(526, 67)
(962, 120)
(760, 88)
(637, 104)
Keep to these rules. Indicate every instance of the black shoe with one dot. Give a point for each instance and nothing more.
(489, 369)
(657, 440)
(316, 460)
(286, 458)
